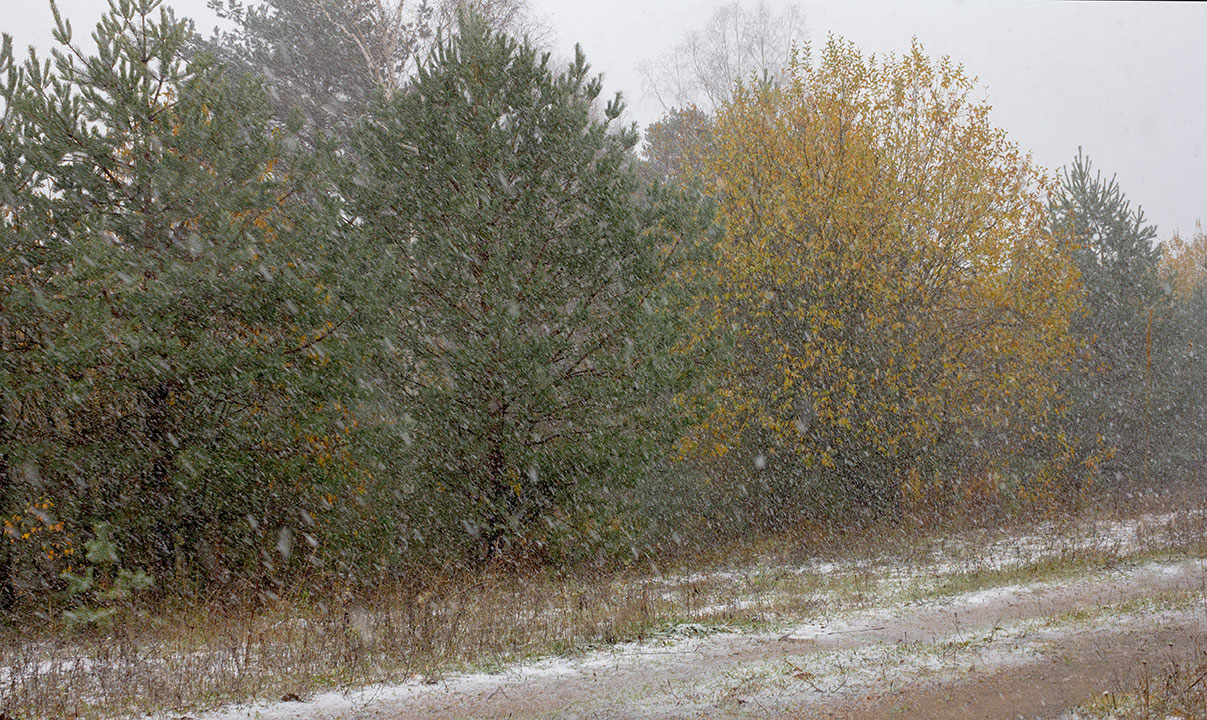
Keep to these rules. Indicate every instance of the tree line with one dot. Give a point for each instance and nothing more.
(355, 294)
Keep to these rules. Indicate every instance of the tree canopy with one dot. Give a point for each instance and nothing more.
(887, 268)
(536, 317)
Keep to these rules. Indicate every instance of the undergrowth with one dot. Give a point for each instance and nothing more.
(189, 656)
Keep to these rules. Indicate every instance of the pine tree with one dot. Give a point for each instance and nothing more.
(327, 60)
(537, 310)
(1110, 391)
(675, 146)
(1181, 386)
(172, 351)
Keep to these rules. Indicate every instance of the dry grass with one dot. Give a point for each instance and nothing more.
(199, 656)
(202, 657)
(1174, 687)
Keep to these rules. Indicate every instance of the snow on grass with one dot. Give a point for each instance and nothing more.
(886, 585)
(815, 674)
(354, 702)
(877, 618)
(60, 666)
(815, 677)
(954, 555)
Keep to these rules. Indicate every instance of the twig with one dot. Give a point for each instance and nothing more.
(321, 336)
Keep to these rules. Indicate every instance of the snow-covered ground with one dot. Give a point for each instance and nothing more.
(902, 623)
(843, 655)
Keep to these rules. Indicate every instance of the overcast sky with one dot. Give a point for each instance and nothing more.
(1125, 80)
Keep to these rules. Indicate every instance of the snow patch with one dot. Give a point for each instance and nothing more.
(353, 703)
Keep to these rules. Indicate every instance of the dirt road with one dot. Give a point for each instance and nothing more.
(1029, 650)
(1084, 666)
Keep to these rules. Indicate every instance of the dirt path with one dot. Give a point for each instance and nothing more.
(1033, 650)
(1083, 667)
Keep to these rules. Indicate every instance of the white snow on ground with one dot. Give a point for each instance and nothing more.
(352, 702)
(950, 557)
(866, 621)
(721, 608)
(891, 572)
(815, 676)
(821, 673)
(809, 678)
(1048, 541)
(991, 595)
(64, 666)
(951, 657)
(877, 618)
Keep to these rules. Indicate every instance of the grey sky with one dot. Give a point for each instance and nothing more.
(1126, 81)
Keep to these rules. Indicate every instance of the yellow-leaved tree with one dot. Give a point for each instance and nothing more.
(1184, 263)
(898, 309)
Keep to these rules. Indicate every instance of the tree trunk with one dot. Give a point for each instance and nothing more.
(159, 494)
(8, 593)
(497, 497)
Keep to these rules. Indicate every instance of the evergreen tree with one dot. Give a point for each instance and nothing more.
(675, 146)
(1110, 391)
(1181, 387)
(28, 265)
(170, 362)
(327, 59)
(324, 59)
(539, 305)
